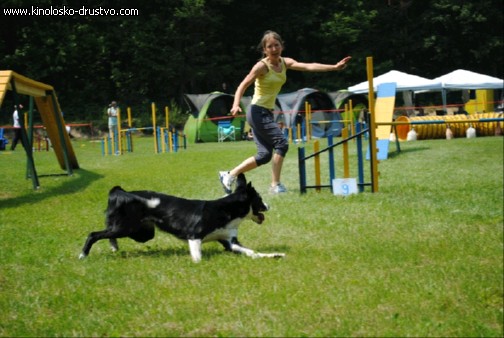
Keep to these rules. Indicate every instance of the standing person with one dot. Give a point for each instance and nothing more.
(112, 119)
(268, 76)
(112, 124)
(16, 126)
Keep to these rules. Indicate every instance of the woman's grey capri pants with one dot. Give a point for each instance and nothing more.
(267, 134)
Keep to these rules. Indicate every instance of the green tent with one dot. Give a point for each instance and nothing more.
(206, 110)
(343, 97)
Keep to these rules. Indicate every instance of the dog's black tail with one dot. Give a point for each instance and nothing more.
(118, 196)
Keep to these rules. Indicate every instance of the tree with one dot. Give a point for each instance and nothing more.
(193, 46)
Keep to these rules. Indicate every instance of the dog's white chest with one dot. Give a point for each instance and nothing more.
(227, 232)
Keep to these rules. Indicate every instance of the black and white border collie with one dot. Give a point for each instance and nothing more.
(135, 214)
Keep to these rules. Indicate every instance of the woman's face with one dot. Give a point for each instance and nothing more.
(273, 48)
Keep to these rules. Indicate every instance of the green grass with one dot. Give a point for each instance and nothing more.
(422, 257)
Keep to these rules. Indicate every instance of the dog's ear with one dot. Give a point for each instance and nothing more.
(117, 196)
(241, 181)
(116, 188)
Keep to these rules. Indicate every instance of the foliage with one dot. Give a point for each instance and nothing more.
(422, 257)
(194, 46)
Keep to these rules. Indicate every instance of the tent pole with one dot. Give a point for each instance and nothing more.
(443, 94)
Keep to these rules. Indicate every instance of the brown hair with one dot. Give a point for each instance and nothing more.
(269, 35)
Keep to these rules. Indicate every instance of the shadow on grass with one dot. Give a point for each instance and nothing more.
(149, 252)
(394, 153)
(71, 185)
(207, 253)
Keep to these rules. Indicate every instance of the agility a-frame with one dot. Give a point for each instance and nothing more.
(52, 119)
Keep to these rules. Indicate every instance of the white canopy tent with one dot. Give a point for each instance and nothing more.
(457, 80)
(404, 81)
(461, 79)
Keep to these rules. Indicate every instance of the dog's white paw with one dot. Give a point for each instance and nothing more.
(82, 255)
(269, 255)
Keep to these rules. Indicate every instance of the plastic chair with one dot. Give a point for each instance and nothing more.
(226, 131)
(3, 140)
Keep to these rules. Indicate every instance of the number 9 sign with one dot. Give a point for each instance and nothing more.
(344, 186)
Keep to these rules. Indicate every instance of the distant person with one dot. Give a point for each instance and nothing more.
(461, 111)
(298, 121)
(67, 127)
(16, 127)
(268, 76)
(281, 125)
(112, 119)
(250, 135)
(225, 88)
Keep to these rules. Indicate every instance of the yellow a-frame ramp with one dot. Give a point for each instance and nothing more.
(50, 112)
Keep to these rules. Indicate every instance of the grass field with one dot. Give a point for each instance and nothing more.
(422, 257)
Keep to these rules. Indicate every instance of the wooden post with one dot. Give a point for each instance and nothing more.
(129, 117)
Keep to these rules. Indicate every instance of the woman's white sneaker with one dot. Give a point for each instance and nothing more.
(277, 189)
(227, 181)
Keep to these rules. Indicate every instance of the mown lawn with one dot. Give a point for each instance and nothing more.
(422, 257)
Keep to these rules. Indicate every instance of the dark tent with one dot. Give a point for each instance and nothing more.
(247, 102)
(325, 120)
(343, 97)
(206, 110)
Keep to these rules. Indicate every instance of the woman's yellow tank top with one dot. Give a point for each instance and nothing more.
(268, 86)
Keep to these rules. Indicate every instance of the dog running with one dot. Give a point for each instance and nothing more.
(136, 214)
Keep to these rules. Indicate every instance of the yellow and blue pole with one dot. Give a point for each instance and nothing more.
(153, 108)
(119, 136)
(346, 166)
(372, 125)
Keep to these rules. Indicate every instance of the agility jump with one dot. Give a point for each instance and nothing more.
(165, 140)
(360, 132)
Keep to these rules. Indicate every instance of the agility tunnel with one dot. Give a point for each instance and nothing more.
(434, 127)
(206, 110)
